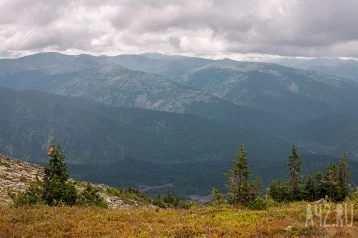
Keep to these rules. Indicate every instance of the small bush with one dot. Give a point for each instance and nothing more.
(171, 200)
(90, 197)
(114, 191)
(138, 195)
(257, 204)
(262, 203)
(32, 196)
(185, 204)
(219, 197)
(158, 202)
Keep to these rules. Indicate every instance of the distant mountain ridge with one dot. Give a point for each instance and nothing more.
(48, 63)
(264, 86)
(332, 66)
(114, 85)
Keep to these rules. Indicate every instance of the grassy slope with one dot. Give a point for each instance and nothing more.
(211, 221)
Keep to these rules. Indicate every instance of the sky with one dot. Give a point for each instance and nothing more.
(239, 29)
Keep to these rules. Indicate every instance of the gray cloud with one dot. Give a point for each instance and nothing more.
(213, 28)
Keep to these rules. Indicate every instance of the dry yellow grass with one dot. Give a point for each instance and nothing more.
(210, 221)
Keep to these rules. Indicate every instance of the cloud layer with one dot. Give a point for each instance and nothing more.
(212, 28)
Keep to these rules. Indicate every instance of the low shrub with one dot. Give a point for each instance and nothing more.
(90, 197)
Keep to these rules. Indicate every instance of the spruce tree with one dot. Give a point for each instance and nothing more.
(330, 182)
(56, 167)
(241, 189)
(57, 188)
(320, 189)
(254, 189)
(343, 178)
(294, 165)
(171, 200)
(279, 191)
(309, 191)
(219, 197)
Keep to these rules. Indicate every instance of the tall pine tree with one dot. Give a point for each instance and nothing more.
(343, 178)
(320, 189)
(57, 188)
(309, 191)
(330, 182)
(294, 165)
(241, 189)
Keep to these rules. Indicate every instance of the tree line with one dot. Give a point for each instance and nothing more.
(333, 184)
(56, 189)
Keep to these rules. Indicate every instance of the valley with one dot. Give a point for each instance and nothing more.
(177, 121)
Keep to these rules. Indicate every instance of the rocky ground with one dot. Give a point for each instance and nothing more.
(17, 175)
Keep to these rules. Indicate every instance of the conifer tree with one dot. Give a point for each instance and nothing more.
(343, 177)
(56, 167)
(159, 202)
(294, 165)
(320, 189)
(254, 189)
(241, 189)
(57, 189)
(279, 191)
(219, 197)
(309, 191)
(171, 200)
(330, 181)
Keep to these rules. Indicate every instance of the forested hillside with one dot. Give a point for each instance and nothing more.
(188, 134)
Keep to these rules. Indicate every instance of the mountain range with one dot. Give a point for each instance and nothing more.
(153, 119)
(344, 68)
(264, 86)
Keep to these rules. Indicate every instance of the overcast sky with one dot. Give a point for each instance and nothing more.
(211, 28)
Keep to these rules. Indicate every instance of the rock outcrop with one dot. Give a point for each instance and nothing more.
(17, 175)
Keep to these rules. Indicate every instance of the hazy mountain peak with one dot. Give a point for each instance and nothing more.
(109, 68)
(49, 63)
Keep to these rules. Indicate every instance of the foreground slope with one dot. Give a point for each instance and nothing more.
(215, 221)
(16, 176)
